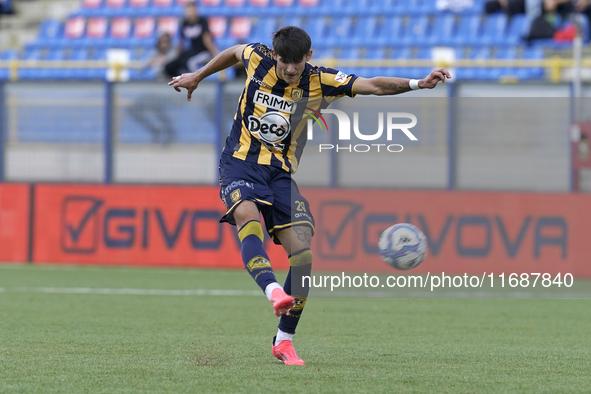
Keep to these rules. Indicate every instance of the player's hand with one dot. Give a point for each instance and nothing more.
(436, 76)
(187, 81)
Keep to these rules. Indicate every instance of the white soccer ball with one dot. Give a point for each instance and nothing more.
(403, 246)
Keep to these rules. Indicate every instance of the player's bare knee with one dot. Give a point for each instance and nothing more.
(245, 212)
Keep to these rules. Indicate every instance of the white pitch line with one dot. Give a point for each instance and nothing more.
(149, 292)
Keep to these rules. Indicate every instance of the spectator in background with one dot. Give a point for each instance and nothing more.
(151, 111)
(194, 33)
(160, 56)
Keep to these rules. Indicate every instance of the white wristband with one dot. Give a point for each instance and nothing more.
(414, 84)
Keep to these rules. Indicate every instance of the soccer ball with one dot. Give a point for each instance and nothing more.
(403, 246)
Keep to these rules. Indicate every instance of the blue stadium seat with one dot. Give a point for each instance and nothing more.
(494, 29)
(366, 30)
(263, 30)
(375, 54)
(416, 31)
(401, 53)
(79, 54)
(517, 30)
(56, 54)
(391, 31)
(293, 21)
(468, 30)
(352, 54)
(49, 31)
(30, 55)
(532, 53)
(316, 28)
(420, 72)
(471, 73)
(339, 33)
(443, 30)
(506, 53)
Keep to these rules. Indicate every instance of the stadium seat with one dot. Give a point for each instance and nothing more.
(416, 31)
(144, 32)
(400, 53)
(162, 7)
(421, 72)
(532, 53)
(49, 31)
(30, 55)
(92, 4)
(96, 32)
(294, 21)
(468, 30)
(233, 7)
(316, 28)
(494, 29)
(73, 32)
(80, 54)
(169, 24)
(351, 54)
(509, 53)
(374, 54)
(516, 30)
(240, 28)
(473, 73)
(443, 30)
(120, 32)
(365, 31)
(210, 7)
(55, 54)
(339, 33)
(218, 25)
(263, 31)
(391, 31)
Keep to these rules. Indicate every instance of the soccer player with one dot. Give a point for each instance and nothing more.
(263, 150)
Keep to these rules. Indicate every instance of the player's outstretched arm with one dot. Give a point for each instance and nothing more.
(223, 60)
(386, 86)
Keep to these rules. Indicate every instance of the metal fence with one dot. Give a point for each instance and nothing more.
(474, 136)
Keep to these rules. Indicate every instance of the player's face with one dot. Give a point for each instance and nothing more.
(291, 72)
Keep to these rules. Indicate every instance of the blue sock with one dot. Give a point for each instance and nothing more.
(300, 265)
(256, 260)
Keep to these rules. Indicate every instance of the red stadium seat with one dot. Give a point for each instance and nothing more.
(259, 3)
(283, 3)
(211, 3)
(97, 28)
(75, 27)
(162, 3)
(120, 27)
(218, 26)
(92, 3)
(168, 24)
(144, 27)
(115, 3)
(235, 3)
(138, 3)
(240, 28)
(308, 3)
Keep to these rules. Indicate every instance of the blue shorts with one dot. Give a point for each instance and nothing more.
(277, 195)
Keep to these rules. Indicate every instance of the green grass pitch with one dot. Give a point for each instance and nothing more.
(166, 342)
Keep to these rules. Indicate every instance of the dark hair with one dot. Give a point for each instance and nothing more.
(291, 43)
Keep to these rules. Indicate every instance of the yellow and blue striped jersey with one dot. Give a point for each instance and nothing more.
(270, 124)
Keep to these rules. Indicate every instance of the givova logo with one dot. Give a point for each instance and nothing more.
(345, 130)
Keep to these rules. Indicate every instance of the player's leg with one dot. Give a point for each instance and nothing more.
(255, 259)
(245, 191)
(292, 226)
